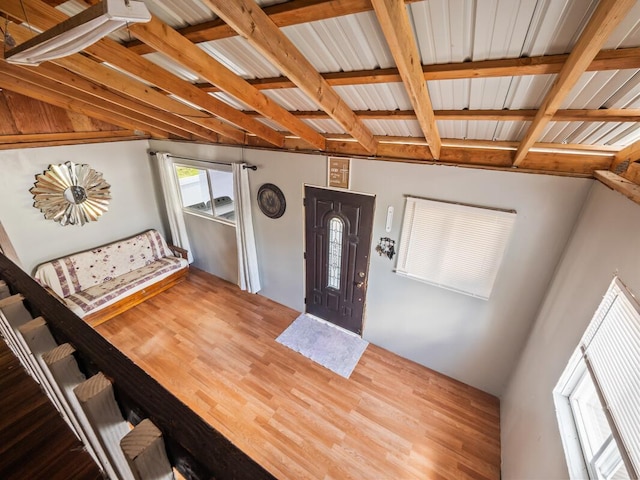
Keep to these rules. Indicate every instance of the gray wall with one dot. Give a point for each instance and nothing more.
(124, 165)
(605, 242)
(475, 341)
(470, 339)
(213, 246)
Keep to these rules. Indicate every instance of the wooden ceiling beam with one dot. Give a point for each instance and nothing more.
(285, 14)
(168, 109)
(470, 145)
(56, 96)
(88, 91)
(146, 115)
(572, 115)
(621, 185)
(248, 19)
(42, 16)
(606, 17)
(105, 108)
(598, 115)
(625, 159)
(487, 158)
(620, 59)
(166, 40)
(62, 136)
(70, 141)
(394, 20)
(67, 138)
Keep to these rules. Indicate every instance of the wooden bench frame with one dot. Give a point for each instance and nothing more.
(130, 301)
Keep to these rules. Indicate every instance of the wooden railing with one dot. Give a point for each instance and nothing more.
(50, 339)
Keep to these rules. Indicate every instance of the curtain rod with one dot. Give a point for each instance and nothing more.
(245, 166)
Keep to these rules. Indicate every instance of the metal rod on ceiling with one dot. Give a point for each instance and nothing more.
(245, 166)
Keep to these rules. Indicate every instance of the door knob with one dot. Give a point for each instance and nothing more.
(359, 284)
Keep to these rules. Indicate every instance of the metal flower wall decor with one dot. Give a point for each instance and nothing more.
(70, 193)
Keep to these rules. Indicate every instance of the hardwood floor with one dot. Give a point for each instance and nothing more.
(35, 442)
(214, 347)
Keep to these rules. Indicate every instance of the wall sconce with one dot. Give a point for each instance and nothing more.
(386, 247)
(78, 32)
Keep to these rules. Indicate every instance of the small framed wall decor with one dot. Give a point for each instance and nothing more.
(339, 172)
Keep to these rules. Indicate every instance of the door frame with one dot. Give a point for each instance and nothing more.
(304, 239)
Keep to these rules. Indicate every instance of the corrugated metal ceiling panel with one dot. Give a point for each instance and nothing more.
(325, 126)
(240, 57)
(592, 133)
(270, 123)
(598, 89)
(458, 30)
(446, 31)
(231, 100)
(381, 96)
(627, 137)
(490, 93)
(351, 42)
(510, 131)
(291, 99)
(628, 32)
(181, 13)
(399, 128)
(482, 130)
(386, 96)
(174, 67)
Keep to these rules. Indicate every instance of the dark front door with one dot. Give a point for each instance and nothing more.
(338, 243)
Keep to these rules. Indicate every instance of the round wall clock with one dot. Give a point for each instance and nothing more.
(271, 200)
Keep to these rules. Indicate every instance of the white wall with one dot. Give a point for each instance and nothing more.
(605, 242)
(475, 341)
(124, 165)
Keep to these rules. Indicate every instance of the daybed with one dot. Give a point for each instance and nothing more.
(101, 283)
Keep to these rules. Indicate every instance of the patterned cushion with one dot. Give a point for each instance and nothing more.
(104, 294)
(81, 271)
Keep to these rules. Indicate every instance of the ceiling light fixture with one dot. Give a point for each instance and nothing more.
(79, 31)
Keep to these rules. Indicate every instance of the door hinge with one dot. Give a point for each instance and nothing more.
(304, 202)
(304, 255)
(305, 300)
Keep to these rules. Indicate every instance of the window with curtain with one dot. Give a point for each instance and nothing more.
(454, 246)
(597, 396)
(207, 191)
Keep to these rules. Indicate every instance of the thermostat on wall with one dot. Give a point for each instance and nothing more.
(389, 219)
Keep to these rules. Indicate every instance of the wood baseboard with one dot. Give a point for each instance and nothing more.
(134, 299)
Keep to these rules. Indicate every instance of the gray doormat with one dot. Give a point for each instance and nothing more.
(324, 343)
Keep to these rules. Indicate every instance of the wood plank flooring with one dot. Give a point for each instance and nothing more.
(35, 442)
(214, 347)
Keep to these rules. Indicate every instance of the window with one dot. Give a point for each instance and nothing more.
(336, 227)
(458, 247)
(597, 395)
(207, 192)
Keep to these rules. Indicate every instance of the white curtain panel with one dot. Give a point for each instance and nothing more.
(171, 189)
(248, 274)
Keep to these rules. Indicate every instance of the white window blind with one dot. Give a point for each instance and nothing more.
(611, 346)
(458, 247)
